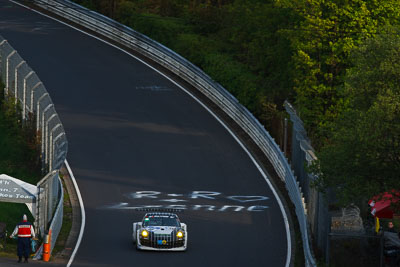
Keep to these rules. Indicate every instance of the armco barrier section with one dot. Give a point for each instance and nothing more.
(23, 85)
(197, 78)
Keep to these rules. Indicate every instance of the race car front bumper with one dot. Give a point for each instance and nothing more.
(141, 247)
(162, 244)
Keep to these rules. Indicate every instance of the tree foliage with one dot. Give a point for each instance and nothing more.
(19, 153)
(362, 158)
(323, 39)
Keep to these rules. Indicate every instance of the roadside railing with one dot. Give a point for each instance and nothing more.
(316, 203)
(127, 37)
(23, 85)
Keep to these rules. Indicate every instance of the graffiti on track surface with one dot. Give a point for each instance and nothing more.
(196, 200)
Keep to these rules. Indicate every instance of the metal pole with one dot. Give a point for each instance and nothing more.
(44, 138)
(52, 144)
(38, 106)
(48, 140)
(381, 244)
(38, 221)
(328, 247)
(46, 205)
(16, 81)
(24, 95)
(8, 70)
(285, 138)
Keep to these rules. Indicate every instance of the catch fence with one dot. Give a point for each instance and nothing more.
(315, 203)
(23, 85)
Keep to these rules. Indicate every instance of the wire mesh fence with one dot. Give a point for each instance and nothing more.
(23, 85)
(49, 192)
(316, 204)
(340, 236)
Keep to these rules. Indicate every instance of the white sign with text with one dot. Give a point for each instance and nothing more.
(15, 190)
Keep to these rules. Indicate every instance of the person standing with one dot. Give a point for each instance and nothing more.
(24, 231)
(391, 227)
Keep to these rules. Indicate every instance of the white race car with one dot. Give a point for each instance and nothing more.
(160, 231)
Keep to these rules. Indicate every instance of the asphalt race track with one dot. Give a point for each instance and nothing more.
(136, 139)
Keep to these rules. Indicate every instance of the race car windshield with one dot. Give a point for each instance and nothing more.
(161, 221)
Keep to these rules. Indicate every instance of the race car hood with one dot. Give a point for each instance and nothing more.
(165, 230)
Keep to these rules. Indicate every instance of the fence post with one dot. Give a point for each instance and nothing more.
(52, 144)
(8, 70)
(38, 108)
(44, 136)
(328, 249)
(285, 138)
(24, 95)
(16, 81)
(381, 247)
(48, 140)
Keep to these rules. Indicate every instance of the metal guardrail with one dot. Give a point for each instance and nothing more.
(196, 77)
(22, 83)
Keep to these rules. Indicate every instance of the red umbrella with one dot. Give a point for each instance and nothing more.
(381, 204)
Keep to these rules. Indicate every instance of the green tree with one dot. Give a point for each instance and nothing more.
(328, 30)
(362, 158)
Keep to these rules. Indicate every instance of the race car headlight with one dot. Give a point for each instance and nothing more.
(145, 233)
(179, 234)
